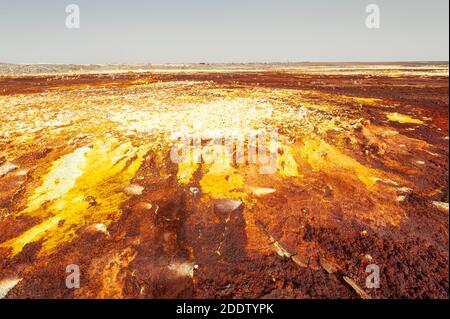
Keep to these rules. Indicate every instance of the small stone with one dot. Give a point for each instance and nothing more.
(194, 190)
(281, 251)
(442, 206)
(386, 181)
(356, 288)
(133, 189)
(404, 193)
(299, 261)
(92, 201)
(405, 190)
(329, 266)
(144, 205)
(328, 190)
(97, 227)
(304, 210)
(22, 172)
(261, 191)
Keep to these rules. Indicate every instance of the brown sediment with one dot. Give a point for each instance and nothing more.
(88, 178)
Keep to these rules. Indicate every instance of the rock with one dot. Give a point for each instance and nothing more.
(226, 206)
(6, 168)
(328, 191)
(194, 190)
(356, 287)
(133, 189)
(386, 181)
(261, 191)
(185, 269)
(98, 227)
(7, 284)
(144, 206)
(442, 206)
(92, 201)
(299, 261)
(22, 172)
(281, 251)
(404, 193)
(329, 266)
(405, 190)
(375, 147)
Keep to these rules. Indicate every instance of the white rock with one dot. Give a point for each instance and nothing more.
(98, 227)
(22, 172)
(405, 190)
(6, 168)
(386, 181)
(182, 269)
(101, 228)
(261, 191)
(7, 284)
(133, 189)
(442, 206)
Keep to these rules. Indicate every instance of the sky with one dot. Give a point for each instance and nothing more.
(222, 31)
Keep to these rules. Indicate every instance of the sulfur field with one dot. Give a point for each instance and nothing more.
(224, 181)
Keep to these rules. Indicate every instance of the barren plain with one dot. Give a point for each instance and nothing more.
(87, 179)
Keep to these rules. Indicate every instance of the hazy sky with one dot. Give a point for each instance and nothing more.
(172, 31)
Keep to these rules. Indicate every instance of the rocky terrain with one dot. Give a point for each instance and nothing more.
(224, 181)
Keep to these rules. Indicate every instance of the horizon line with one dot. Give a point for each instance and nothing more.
(230, 63)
